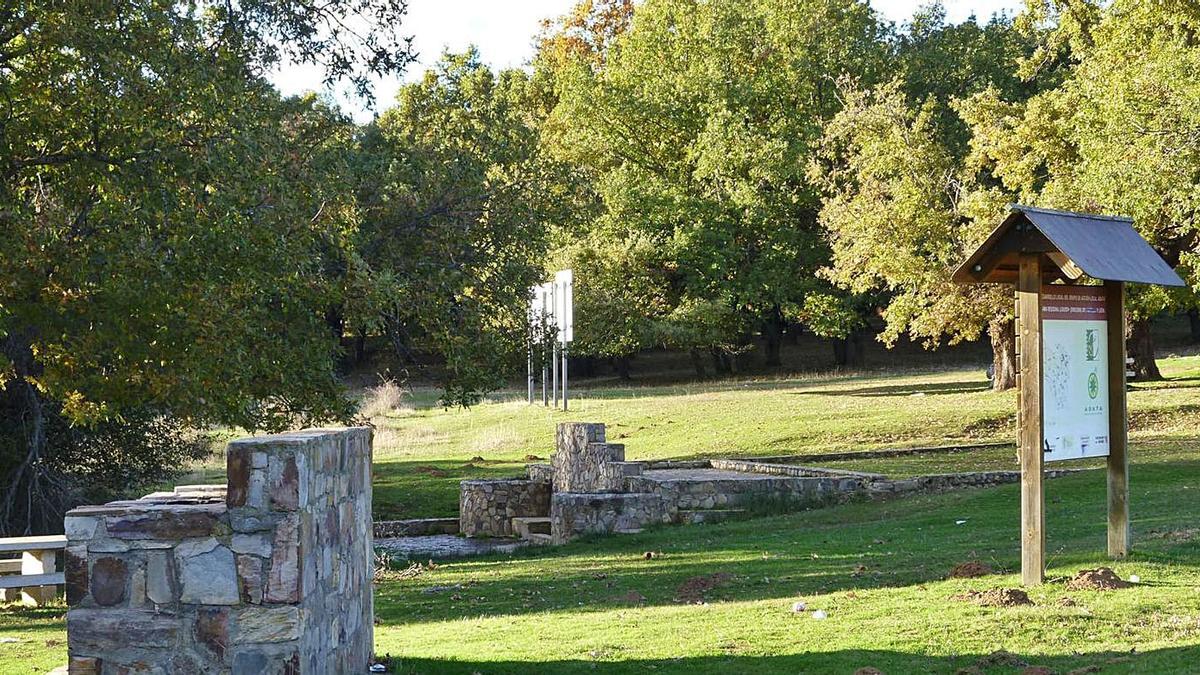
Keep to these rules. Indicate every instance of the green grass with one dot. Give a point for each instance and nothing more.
(759, 417)
(878, 569)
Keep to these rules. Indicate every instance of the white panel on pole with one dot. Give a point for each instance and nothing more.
(564, 282)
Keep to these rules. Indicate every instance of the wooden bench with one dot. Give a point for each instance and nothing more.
(30, 568)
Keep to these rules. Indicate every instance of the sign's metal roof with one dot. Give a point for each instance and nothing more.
(1102, 247)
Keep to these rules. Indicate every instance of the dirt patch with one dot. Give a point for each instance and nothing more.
(478, 460)
(868, 670)
(532, 458)
(1001, 658)
(1099, 579)
(1038, 670)
(1178, 535)
(692, 591)
(431, 471)
(996, 597)
(1067, 602)
(990, 426)
(970, 570)
(630, 598)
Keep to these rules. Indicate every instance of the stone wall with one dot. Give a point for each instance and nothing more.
(582, 460)
(573, 514)
(418, 527)
(271, 575)
(773, 469)
(933, 483)
(540, 472)
(716, 493)
(486, 507)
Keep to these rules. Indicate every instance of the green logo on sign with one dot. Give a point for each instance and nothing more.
(1093, 385)
(1091, 345)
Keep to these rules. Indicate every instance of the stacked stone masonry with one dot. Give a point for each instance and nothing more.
(486, 507)
(269, 574)
(584, 462)
(589, 488)
(573, 514)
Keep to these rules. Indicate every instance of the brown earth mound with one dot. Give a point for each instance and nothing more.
(631, 598)
(692, 591)
(996, 597)
(1001, 657)
(970, 570)
(431, 471)
(1099, 579)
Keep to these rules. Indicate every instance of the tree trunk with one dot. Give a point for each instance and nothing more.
(25, 496)
(848, 351)
(720, 360)
(1194, 324)
(773, 334)
(1140, 344)
(697, 363)
(621, 364)
(1003, 334)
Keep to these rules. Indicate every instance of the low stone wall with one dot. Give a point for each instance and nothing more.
(952, 481)
(582, 460)
(540, 472)
(573, 513)
(271, 575)
(709, 493)
(772, 469)
(884, 453)
(486, 507)
(420, 527)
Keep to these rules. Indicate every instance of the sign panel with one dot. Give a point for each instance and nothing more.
(564, 299)
(1074, 372)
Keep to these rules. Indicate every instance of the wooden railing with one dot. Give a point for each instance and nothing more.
(29, 567)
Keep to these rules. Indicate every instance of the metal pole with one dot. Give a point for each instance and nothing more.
(545, 366)
(529, 367)
(564, 375)
(554, 366)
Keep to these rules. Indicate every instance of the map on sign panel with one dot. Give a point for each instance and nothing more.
(1074, 372)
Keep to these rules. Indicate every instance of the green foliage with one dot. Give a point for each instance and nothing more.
(1119, 135)
(167, 218)
(697, 128)
(456, 198)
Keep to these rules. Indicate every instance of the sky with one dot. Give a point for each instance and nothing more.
(504, 30)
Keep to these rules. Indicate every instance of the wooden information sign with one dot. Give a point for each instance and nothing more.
(1070, 350)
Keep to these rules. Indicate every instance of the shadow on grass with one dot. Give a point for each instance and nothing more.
(935, 389)
(859, 546)
(429, 488)
(1172, 660)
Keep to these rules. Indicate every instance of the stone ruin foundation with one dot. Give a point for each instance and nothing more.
(269, 574)
(589, 488)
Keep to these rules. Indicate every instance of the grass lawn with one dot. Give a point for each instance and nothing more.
(423, 451)
(878, 569)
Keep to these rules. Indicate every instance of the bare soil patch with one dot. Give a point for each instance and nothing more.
(970, 570)
(1099, 579)
(692, 591)
(431, 471)
(630, 598)
(996, 597)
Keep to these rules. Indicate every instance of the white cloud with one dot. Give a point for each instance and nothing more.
(504, 32)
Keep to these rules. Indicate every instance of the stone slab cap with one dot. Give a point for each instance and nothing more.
(246, 460)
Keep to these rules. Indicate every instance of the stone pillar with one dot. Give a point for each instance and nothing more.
(581, 459)
(271, 575)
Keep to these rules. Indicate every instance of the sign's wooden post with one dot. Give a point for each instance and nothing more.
(1118, 429)
(1030, 431)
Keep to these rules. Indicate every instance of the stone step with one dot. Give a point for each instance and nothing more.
(696, 516)
(525, 526)
(628, 530)
(538, 538)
